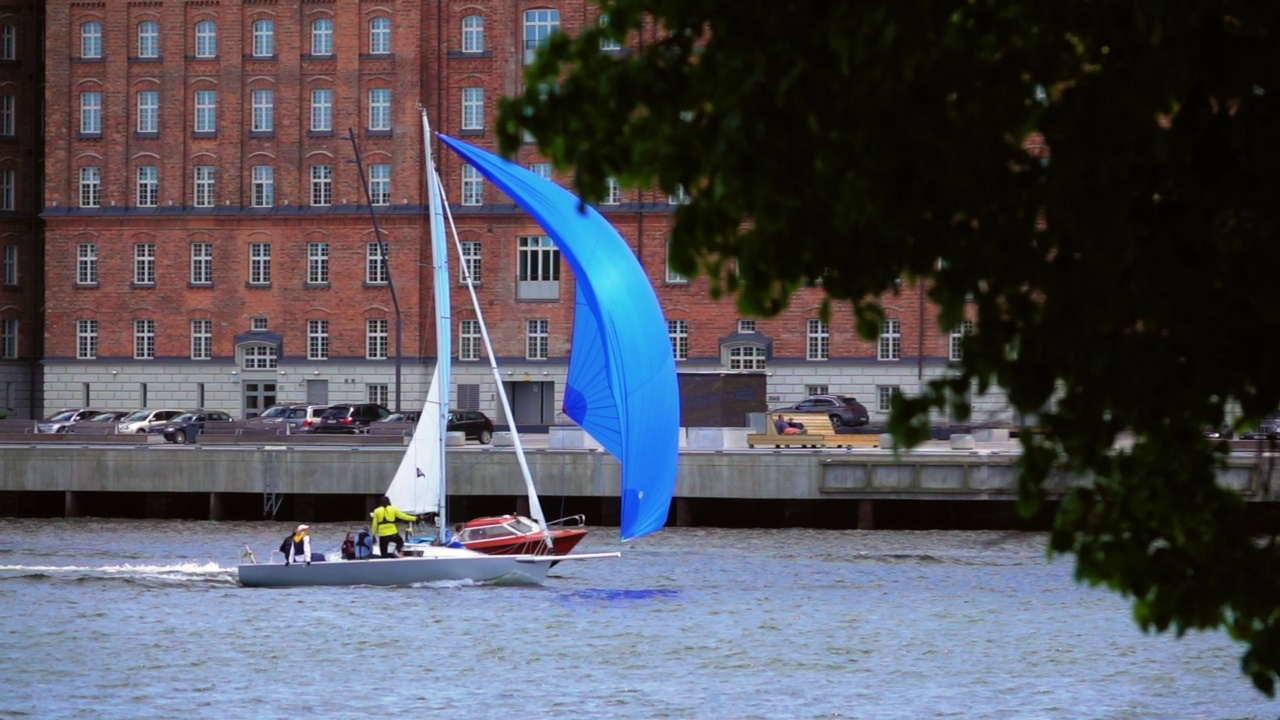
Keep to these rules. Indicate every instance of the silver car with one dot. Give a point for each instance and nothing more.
(140, 421)
(61, 421)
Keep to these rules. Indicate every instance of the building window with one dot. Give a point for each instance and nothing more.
(90, 187)
(957, 339)
(148, 111)
(203, 188)
(472, 108)
(321, 185)
(375, 345)
(375, 267)
(746, 326)
(9, 115)
(91, 113)
(608, 44)
(612, 192)
(377, 393)
(91, 40)
(258, 324)
(678, 331)
(322, 37)
(811, 390)
(264, 186)
(317, 339)
(201, 339)
(9, 43)
(318, 263)
(206, 119)
(264, 38)
(11, 265)
(144, 339)
(201, 263)
(469, 340)
(539, 26)
(264, 111)
(470, 262)
(746, 357)
(322, 110)
(538, 274)
(86, 339)
(673, 277)
(380, 109)
(148, 186)
(259, 263)
(8, 190)
(891, 340)
(541, 169)
(149, 39)
(884, 396)
(472, 34)
(536, 339)
(206, 39)
(259, 356)
(380, 184)
(87, 264)
(380, 36)
(472, 186)
(144, 263)
(9, 342)
(819, 341)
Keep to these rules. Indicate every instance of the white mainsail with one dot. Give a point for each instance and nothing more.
(415, 487)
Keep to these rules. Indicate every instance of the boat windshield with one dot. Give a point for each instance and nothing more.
(524, 526)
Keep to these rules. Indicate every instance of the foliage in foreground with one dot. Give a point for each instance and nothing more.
(1125, 286)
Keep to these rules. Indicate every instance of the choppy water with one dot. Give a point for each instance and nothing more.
(144, 619)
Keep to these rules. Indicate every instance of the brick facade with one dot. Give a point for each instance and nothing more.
(426, 64)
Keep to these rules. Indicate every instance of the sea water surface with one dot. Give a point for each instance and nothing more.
(145, 619)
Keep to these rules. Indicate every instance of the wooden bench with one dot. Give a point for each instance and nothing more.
(819, 433)
(88, 427)
(398, 429)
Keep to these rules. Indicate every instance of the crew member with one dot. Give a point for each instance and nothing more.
(299, 545)
(385, 528)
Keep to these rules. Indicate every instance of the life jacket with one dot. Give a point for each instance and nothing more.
(364, 546)
(349, 547)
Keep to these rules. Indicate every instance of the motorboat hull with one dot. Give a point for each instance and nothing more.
(563, 541)
(442, 564)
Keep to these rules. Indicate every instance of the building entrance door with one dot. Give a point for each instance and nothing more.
(258, 396)
(532, 403)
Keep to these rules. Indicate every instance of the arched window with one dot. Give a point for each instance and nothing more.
(322, 37)
(258, 356)
(473, 34)
(264, 38)
(380, 36)
(206, 39)
(149, 39)
(91, 40)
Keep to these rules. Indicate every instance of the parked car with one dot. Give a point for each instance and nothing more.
(1268, 428)
(474, 423)
(109, 416)
(61, 421)
(411, 417)
(140, 421)
(304, 418)
(349, 418)
(844, 411)
(178, 430)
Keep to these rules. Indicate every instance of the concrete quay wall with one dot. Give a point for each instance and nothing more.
(792, 474)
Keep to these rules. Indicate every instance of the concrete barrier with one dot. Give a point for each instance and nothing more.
(991, 435)
(455, 439)
(886, 441)
(566, 437)
(502, 438)
(962, 442)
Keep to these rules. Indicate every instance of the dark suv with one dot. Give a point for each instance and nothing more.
(844, 411)
(349, 418)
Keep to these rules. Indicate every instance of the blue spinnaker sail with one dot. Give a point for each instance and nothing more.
(622, 377)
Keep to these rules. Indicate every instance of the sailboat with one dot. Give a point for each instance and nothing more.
(621, 388)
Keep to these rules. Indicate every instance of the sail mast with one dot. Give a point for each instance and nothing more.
(444, 324)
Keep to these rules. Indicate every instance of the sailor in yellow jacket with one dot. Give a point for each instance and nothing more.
(385, 528)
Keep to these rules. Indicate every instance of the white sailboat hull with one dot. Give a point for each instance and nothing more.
(440, 564)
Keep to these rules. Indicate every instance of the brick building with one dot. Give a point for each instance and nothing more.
(208, 239)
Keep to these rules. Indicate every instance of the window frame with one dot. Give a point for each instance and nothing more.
(87, 339)
(147, 179)
(144, 339)
(148, 110)
(144, 263)
(379, 119)
(473, 34)
(204, 189)
(202, 339)
(86, 264)
(322, 110)
(472, 186)
(263, 114)
(380, 184)
(148, 39)
(201, 263)
(377, 333)
(321, 185)
(537, 338)
(263, 186)
(205, 119)
(469, 340)
(260, 264)
(90, 186)
(91, 113)
(817, 340)
(318, 263)
(322, 37)
(473, 108)
(889, 344)
(206, 39)
(318, 339)
(375, 265)
(91, 40)
(678, 333)
(380, 35)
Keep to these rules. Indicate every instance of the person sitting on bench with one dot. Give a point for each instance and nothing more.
(786, 426)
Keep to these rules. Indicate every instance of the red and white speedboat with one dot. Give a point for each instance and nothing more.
(518, 535)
